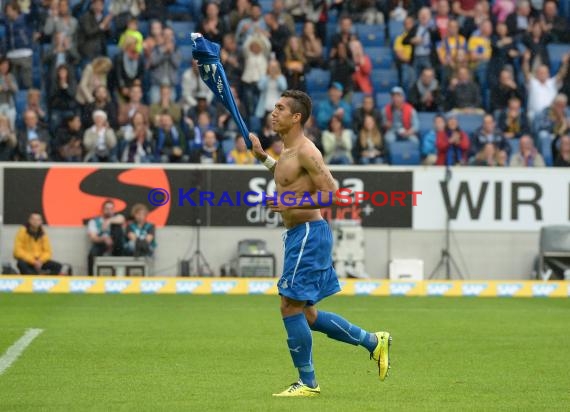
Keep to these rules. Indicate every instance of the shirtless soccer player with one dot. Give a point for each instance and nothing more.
(308, 274)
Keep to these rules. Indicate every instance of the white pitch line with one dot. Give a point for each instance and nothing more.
(17, 348)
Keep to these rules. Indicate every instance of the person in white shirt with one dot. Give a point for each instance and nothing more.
(542, 89)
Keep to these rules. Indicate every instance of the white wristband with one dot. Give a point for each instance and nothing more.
(269, 162)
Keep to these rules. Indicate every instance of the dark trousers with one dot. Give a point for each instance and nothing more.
(48, 268)
(100, 249)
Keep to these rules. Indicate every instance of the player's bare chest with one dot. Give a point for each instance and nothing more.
(288, 168)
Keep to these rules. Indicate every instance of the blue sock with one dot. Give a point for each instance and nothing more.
(338, 328)
(300, 342)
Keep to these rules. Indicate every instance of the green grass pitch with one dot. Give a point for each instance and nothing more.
(228, 353)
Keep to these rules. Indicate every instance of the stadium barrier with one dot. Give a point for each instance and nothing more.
(268, 286)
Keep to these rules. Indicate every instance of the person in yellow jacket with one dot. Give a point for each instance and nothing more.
(32, 249)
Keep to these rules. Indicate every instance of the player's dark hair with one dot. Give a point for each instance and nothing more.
(300, 103)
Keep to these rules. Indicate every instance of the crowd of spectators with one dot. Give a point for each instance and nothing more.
(114, 80)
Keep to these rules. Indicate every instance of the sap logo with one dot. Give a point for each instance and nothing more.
(223, 287)
(8, 285)
(80, 286)
(186, 286)
(260, 287)
(473, 289)
(508, 289)
(43, 285)
(365, 288)
(116, 286)
(152, 286)
(401, 289)
(438, 289)
(543, 290)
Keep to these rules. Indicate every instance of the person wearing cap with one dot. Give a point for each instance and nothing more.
(400, 119)
(334, 106)
(99, 140)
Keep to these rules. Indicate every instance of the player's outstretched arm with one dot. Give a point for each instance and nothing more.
(260, 154)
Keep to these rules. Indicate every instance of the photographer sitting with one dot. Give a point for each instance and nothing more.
(140, 233)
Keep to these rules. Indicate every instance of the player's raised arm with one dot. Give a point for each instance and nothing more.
(260, 154)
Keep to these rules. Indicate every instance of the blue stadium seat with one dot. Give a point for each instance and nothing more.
(382, 99)
(180, 10)
(357, 98)
(332, 29)
(371, 35)
(299, 28)
(144, 27)
(182, 30)
(545, 149)
(426, 122)
(185, 53)
(514, 145)
(470, 122)
(403, 152)
(20, 101)
(2, 31)
(228, 145)
(318, 80)
(556, 52)
(318, 97)
(112, 50)
(382, 57)
(266, 5)
(384, 79)
(395, 28)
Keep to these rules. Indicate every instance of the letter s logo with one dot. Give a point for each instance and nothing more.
(72, 195)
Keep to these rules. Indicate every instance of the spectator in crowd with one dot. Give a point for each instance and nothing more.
(94, 75)
(333, 106)
(34, 103)
(464, 93)
(276, 148)
(502, 8)
(202, 106)
(542, 88)
(68, 145)
(193, 87)
(164, 62)
(165, 104)
(504, 53)
(169, 141)
(313, 133)
(554, 121)
(99, 140)
(480, 51)
(270, 88)
(8, 90)
(447, 50)
(37, 151)
(130, 31)
(481, 12)
(156, 10)
(104, 103)
(18, 42)
(527, 155)
(141, 234)
(442, 17)
(61, 54)
(423, 38)
(252, 25)
(61, 21)
(367, 108)
(230, 58)
(239, 13)
(464, 8)
(504, 91)
(553, 23)
(425, 95)
(212, 26)
(563, 158)
(256, 51)
(93, 31)
(344, 35)
(210, 151)
(240, 155)
(138, 139)
(489, 155)
(513, 122)
(134, 105)
(283, 17)
(403, 55)
(8, 141)
(32, 249)
(295, 64)
(312, 46)
(489, 133)
(32, 130)
(362, 68)
(370, 145)
(278, 35)
(106, 234)
(428, 148)
(267, 134)
(337, 143)
(61, 100)
(536, 41)
(400, 119)
(128, 69)
(519, 22)
(138, 120)
(452, 144)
